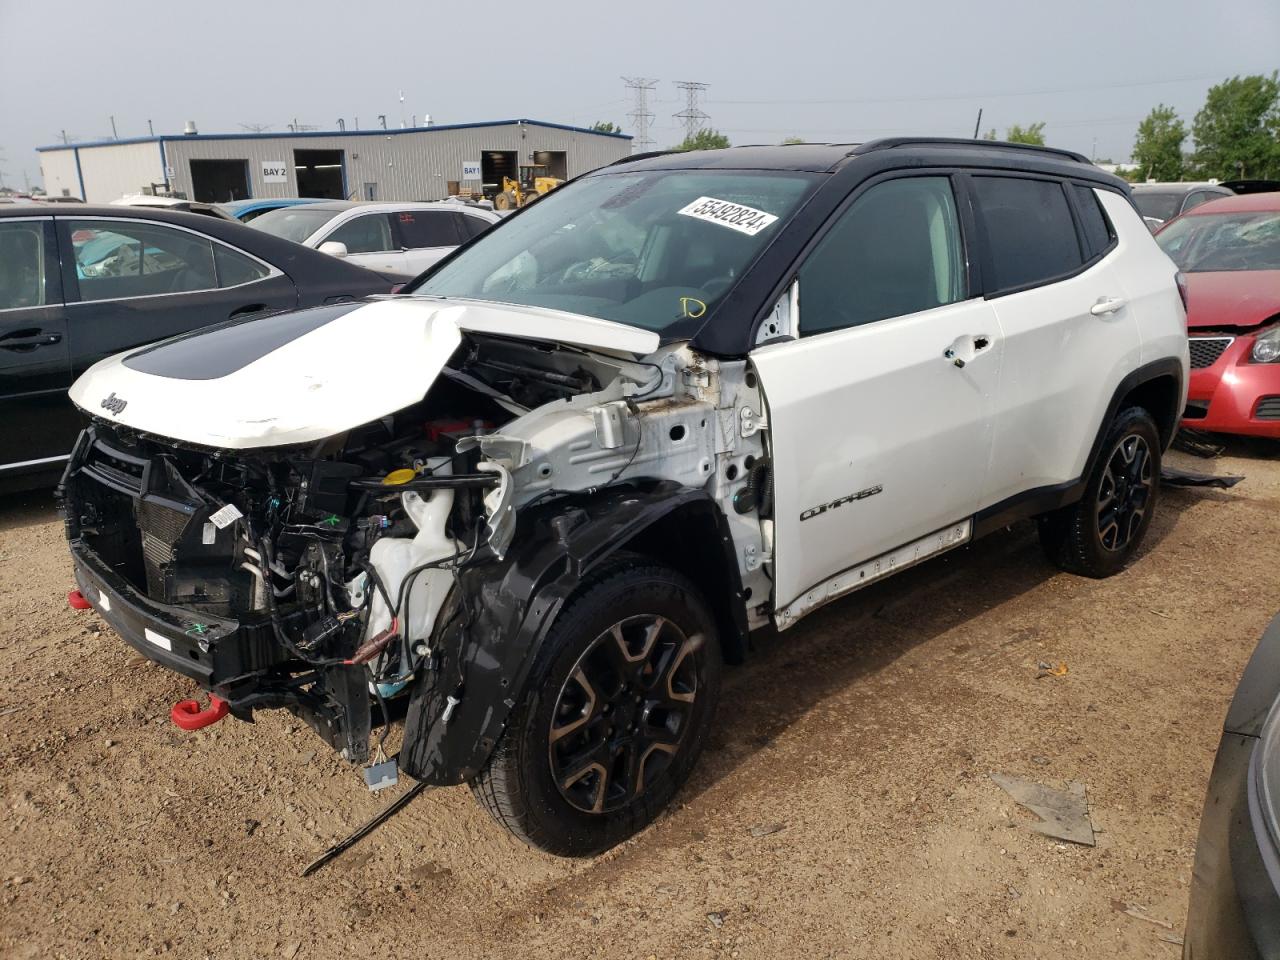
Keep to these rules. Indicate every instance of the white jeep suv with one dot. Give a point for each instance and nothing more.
(540, 497)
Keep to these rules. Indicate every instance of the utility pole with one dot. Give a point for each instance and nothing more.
(978, 125)
(692, 115)
(641, 116)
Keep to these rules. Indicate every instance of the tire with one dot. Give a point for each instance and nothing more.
(1098, 535)
(583, 685)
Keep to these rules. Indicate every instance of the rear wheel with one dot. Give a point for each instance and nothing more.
(1097, 536)
(620, 699)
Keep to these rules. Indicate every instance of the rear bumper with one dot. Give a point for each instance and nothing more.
(1233, 395)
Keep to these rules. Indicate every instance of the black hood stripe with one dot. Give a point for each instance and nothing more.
(221, 350)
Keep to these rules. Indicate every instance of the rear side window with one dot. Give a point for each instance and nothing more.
(427, 229)
(1031, 237)
(368, 234)
(469, 226)
(116, 259)
(1097, 229)
(235, 268)
(22, 280)
(895, 251)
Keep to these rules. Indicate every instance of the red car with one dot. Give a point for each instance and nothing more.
(1229, 250)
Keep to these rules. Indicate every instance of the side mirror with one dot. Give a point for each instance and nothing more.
(334, 248)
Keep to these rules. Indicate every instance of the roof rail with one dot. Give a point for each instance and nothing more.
(890, 142)
(641, 156)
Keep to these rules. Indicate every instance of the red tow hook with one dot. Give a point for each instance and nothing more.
(76, 600)
(188, 715)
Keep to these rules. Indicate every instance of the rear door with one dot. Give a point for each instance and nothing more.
(1069, 333)
(371, 242)
(130, 282)
(880, 413)
(427, 236)
(38, 424)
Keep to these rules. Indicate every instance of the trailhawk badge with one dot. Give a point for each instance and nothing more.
(114, 404)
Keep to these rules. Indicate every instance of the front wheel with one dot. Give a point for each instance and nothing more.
(1097, 536)
(621, 696)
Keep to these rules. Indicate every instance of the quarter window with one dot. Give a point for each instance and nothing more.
(896, 251)
(421, 228)
(1031, 237)
(469, 226)
(1097, 229)
(119, 258)
(22, 282)
(368, 234)
(235, 268)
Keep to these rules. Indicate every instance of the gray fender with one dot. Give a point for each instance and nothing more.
(493, 625)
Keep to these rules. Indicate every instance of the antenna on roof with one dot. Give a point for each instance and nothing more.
(255, 127)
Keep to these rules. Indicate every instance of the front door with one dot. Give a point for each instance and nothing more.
(371, 243)
(37, 422)
(879, 414)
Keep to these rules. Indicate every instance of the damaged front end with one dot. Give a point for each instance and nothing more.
(410, 565)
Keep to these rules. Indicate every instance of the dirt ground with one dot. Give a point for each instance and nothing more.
(859, 746)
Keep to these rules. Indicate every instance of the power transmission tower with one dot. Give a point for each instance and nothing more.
(641, 116)
(692, 115)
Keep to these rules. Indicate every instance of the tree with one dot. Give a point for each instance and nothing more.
(705, 140)
(791, 140)
(1032, 133)
(605, 126)
(1157, 152)
(1237, 132)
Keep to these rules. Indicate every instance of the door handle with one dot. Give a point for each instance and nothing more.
(245, 311)
(1107, 305)
(29, 341)
(966, 347)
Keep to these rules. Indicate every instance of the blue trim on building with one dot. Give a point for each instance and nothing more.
(80, 175)
(330, 133)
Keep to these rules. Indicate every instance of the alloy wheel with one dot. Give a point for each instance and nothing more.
(621, 715)
(1125, 492)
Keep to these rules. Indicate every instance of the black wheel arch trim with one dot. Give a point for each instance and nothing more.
(490, 631)
(1031, 503)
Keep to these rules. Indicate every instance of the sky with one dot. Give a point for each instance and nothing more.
(823, 70)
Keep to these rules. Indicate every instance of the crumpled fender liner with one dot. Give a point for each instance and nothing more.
(486, 648)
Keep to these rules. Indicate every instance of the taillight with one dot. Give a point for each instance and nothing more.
(1181, 281)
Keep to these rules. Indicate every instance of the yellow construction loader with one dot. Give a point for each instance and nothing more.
(533, 183)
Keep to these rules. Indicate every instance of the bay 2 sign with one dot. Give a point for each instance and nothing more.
(274, 171)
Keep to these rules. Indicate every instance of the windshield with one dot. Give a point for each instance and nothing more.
(292, 223)
(1223, 241)
(647, 249)
(1158, 205)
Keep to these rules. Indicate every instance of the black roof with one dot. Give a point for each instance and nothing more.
(896, 151)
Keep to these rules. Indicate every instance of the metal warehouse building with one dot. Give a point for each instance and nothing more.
(419, 163)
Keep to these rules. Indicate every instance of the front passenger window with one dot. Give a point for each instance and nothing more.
(368, 234)
(21, 265)
(895, 251)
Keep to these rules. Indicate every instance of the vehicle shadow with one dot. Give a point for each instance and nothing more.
(25, 509)
(787, 675)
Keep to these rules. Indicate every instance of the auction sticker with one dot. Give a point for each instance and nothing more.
(735, 216)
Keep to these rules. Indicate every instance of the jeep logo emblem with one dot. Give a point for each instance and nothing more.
(114, 404)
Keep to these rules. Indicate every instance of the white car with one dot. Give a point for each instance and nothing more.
(399, 238)
(545, 493)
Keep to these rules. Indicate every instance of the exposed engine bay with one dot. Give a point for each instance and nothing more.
(313, 576)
